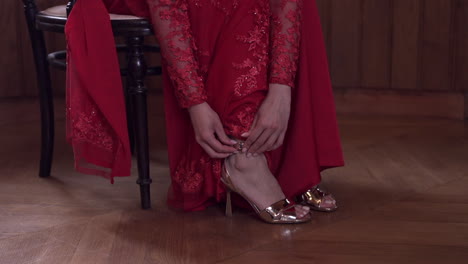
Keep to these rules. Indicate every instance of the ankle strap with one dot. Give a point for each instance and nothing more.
(239, 145)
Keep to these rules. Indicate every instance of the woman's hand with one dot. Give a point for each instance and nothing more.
(207, 124)
(271, 122)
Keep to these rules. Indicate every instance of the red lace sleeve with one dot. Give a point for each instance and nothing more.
(285, 38)
(171, 23)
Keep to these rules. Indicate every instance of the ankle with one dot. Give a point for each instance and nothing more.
(240, 162)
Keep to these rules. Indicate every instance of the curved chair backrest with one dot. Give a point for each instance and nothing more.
(31, 6)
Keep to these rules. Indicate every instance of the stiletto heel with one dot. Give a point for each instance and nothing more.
(228, 204)
(277, 213)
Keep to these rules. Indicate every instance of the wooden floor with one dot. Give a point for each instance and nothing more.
(403, 197)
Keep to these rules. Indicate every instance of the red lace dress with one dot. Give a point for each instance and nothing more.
(225, 53)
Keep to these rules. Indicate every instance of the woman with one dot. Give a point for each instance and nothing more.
(248, 103)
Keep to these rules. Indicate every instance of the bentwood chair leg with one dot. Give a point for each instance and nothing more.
(45, 89)
(137, 91)
(129, 108)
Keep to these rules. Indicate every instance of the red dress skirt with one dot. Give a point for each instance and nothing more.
(232, 54)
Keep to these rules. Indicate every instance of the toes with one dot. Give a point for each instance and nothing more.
(301, 211)
(305, 211)
(329, 201)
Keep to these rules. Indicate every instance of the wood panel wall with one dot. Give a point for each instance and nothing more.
(17, 73)
(385, 54)
(419, 45)
(376, 48)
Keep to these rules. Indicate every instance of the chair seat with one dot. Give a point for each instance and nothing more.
(60, 11)
(54, 19)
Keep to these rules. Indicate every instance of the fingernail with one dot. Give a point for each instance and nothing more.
(244, 135)
(233, 141)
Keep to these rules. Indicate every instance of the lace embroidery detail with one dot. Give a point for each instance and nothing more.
(187, 174)
(285, 40)
(203, 54)
(89, 126)
(172, 26)
(242, 119)
(216, 166)
(257, 39)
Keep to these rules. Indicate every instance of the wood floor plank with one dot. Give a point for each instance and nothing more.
(402, 199)
(316, 252)
(410, 230)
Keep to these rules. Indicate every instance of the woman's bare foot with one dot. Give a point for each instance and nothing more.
(252, 176)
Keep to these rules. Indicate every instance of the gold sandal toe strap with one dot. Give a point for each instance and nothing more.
(314, 196)
(275, 211)
(279, 212)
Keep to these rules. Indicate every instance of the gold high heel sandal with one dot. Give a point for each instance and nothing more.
(277, 213)
(314, 199)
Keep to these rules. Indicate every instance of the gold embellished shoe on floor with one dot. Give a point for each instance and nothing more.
(281, 212)
(314, 199)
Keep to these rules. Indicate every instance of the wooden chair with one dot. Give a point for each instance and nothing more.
(134, 30)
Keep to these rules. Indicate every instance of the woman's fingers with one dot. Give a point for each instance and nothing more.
(209, 131)
(252, 127)
(212, 153)
(260, 141)
(222, 135)
(216, 145)
(268, 145)
(253, 136)
(279, 141)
